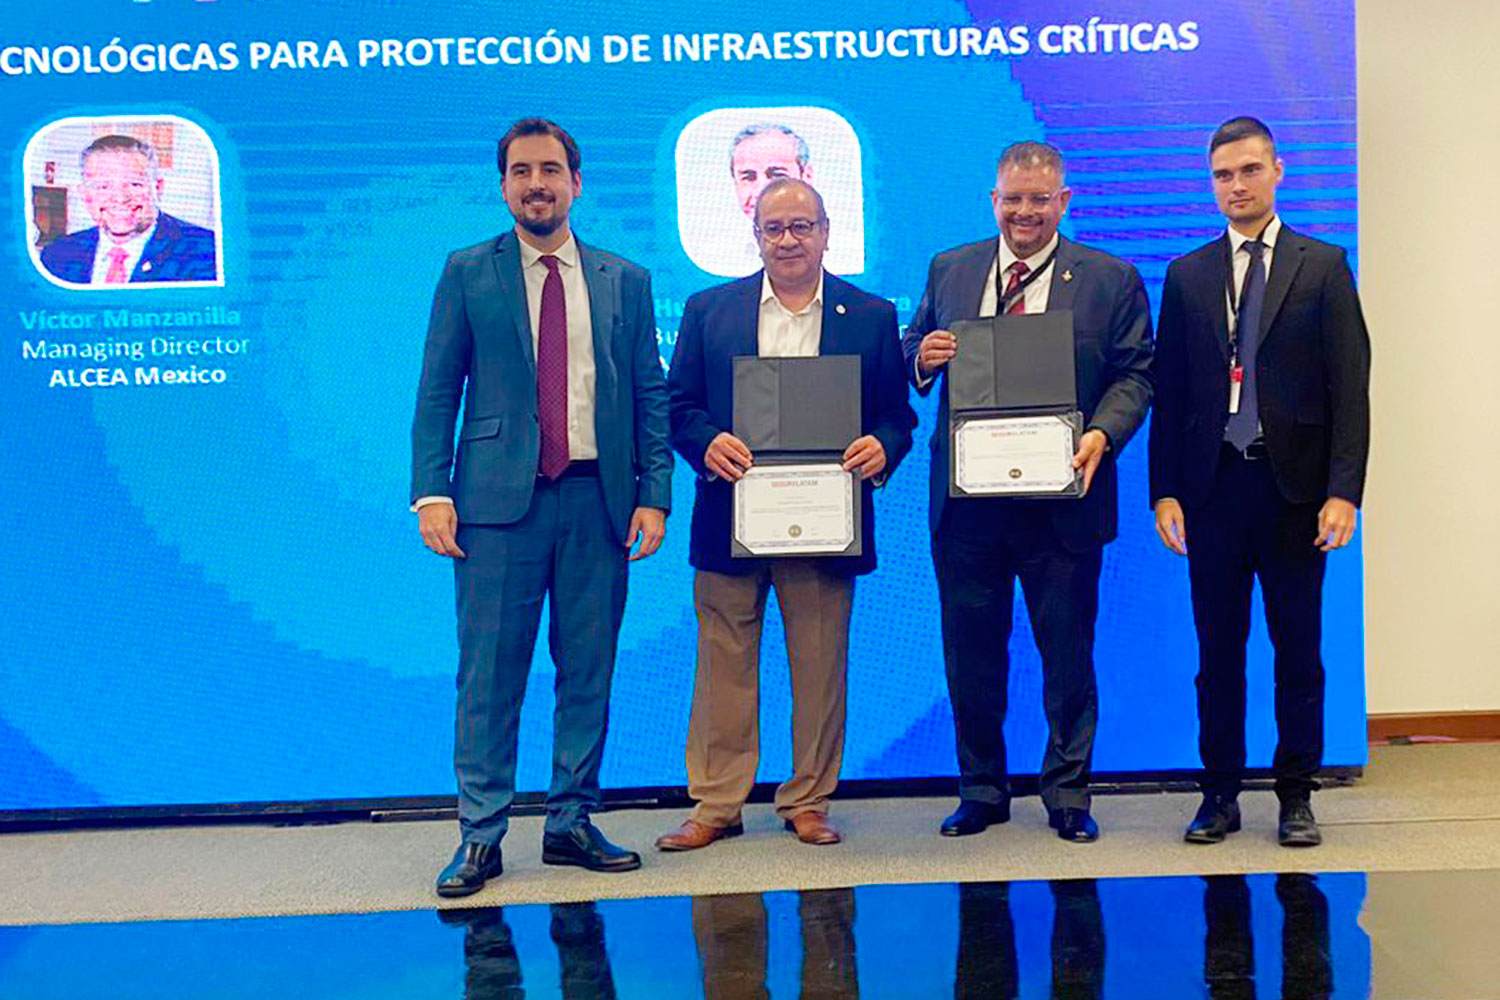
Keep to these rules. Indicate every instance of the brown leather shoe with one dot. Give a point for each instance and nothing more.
(813, 828)
(692, 835)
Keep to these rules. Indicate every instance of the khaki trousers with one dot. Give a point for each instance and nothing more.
(723, 747)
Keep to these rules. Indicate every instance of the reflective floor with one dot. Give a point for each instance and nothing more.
(1288, 936)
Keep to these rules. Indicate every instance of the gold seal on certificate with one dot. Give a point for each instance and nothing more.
(804, 509)
(1018, 456)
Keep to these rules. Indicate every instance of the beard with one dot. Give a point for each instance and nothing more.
(540, 227)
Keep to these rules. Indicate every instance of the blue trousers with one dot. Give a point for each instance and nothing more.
(563, 549)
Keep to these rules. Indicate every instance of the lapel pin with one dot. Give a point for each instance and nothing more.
(839, 309)
(146, 266)
(1067, 276)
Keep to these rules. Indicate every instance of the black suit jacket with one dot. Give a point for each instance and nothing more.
(1312, 370)
(721, 323)
(1112, 358)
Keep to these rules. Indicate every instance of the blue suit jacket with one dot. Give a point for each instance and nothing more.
(1112, 361)
(721, 323)
(479, 350)
(177, 251)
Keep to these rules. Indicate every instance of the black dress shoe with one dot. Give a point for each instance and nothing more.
(472, 864)
(1216, 819)
(1298, 828)
(586, 847)
(973, 816)
(1073, 824)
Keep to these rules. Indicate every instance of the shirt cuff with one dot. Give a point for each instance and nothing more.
(922, 381)
(428, 501)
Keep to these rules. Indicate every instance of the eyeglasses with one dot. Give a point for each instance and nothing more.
(800, 229)
(1036, 201)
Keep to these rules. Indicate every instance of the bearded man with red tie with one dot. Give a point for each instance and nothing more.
(563, 463)
(982, 545)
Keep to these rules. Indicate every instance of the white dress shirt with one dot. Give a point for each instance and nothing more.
(582, 443)
(1239, 257)
(133, 247)
(1036, 295)
(782, 333)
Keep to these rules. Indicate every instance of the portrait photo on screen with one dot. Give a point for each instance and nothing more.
(124, 202)
(727, 156)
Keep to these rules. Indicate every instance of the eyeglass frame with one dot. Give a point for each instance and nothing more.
(765, 235)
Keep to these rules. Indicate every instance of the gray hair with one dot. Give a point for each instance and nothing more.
(119, 144)
(781, 183)
(1030, 153)
(762, 128)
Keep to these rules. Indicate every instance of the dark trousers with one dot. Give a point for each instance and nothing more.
(987, 964)
(1244, 530)
(1229, 943)
(565, 551)
(980, 549)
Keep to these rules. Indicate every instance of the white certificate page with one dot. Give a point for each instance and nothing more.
(794, 509)
(999, 455)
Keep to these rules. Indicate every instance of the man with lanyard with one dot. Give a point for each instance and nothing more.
(1258, 450)
(982, 545)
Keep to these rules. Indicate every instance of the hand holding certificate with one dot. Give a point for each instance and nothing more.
(795, 510)
(1015, 455)
(1013, 408)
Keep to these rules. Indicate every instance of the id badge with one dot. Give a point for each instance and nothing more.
(1236, 379)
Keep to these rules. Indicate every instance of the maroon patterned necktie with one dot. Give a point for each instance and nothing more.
(1017, 272)
(552, 372)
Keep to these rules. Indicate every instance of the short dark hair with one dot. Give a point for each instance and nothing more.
(119, 144)
(1243, 127)
(539, 126)
(786, 182)
(1030, 153)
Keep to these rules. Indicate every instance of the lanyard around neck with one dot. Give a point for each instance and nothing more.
(1003, 301)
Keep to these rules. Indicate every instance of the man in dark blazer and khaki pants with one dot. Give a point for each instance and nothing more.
(1258, 451)
(791, 308)
(982, 545)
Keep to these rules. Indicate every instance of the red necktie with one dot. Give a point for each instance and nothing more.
(116, 274)
(1017, 271)
(552, 372)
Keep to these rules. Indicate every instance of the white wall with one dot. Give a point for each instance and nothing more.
(1429, 214)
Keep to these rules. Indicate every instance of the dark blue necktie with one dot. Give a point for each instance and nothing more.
(1244, 426)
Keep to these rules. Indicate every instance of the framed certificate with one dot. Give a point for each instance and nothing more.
(804, 509)
(1012, 455)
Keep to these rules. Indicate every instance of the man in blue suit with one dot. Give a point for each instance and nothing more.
(132, 240)
(792, 308)
(563, 463)
(982, 545)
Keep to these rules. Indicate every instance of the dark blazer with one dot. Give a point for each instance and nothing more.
(1112, 333)
(479, 350)
(721, 323)
(177, 251)
(1312, 371)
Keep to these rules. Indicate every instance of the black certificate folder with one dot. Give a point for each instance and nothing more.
(800, 406)
(799, 412)
(1014, 367)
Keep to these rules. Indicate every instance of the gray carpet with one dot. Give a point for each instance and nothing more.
(1421, 808)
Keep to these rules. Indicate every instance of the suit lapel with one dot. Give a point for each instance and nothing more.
(1218, 304)
(1066, 270)
(1285, 261)
(972, 275)
(835, 316)
(743, 330)
(513, 294)
(604, 302)
(157, 249)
